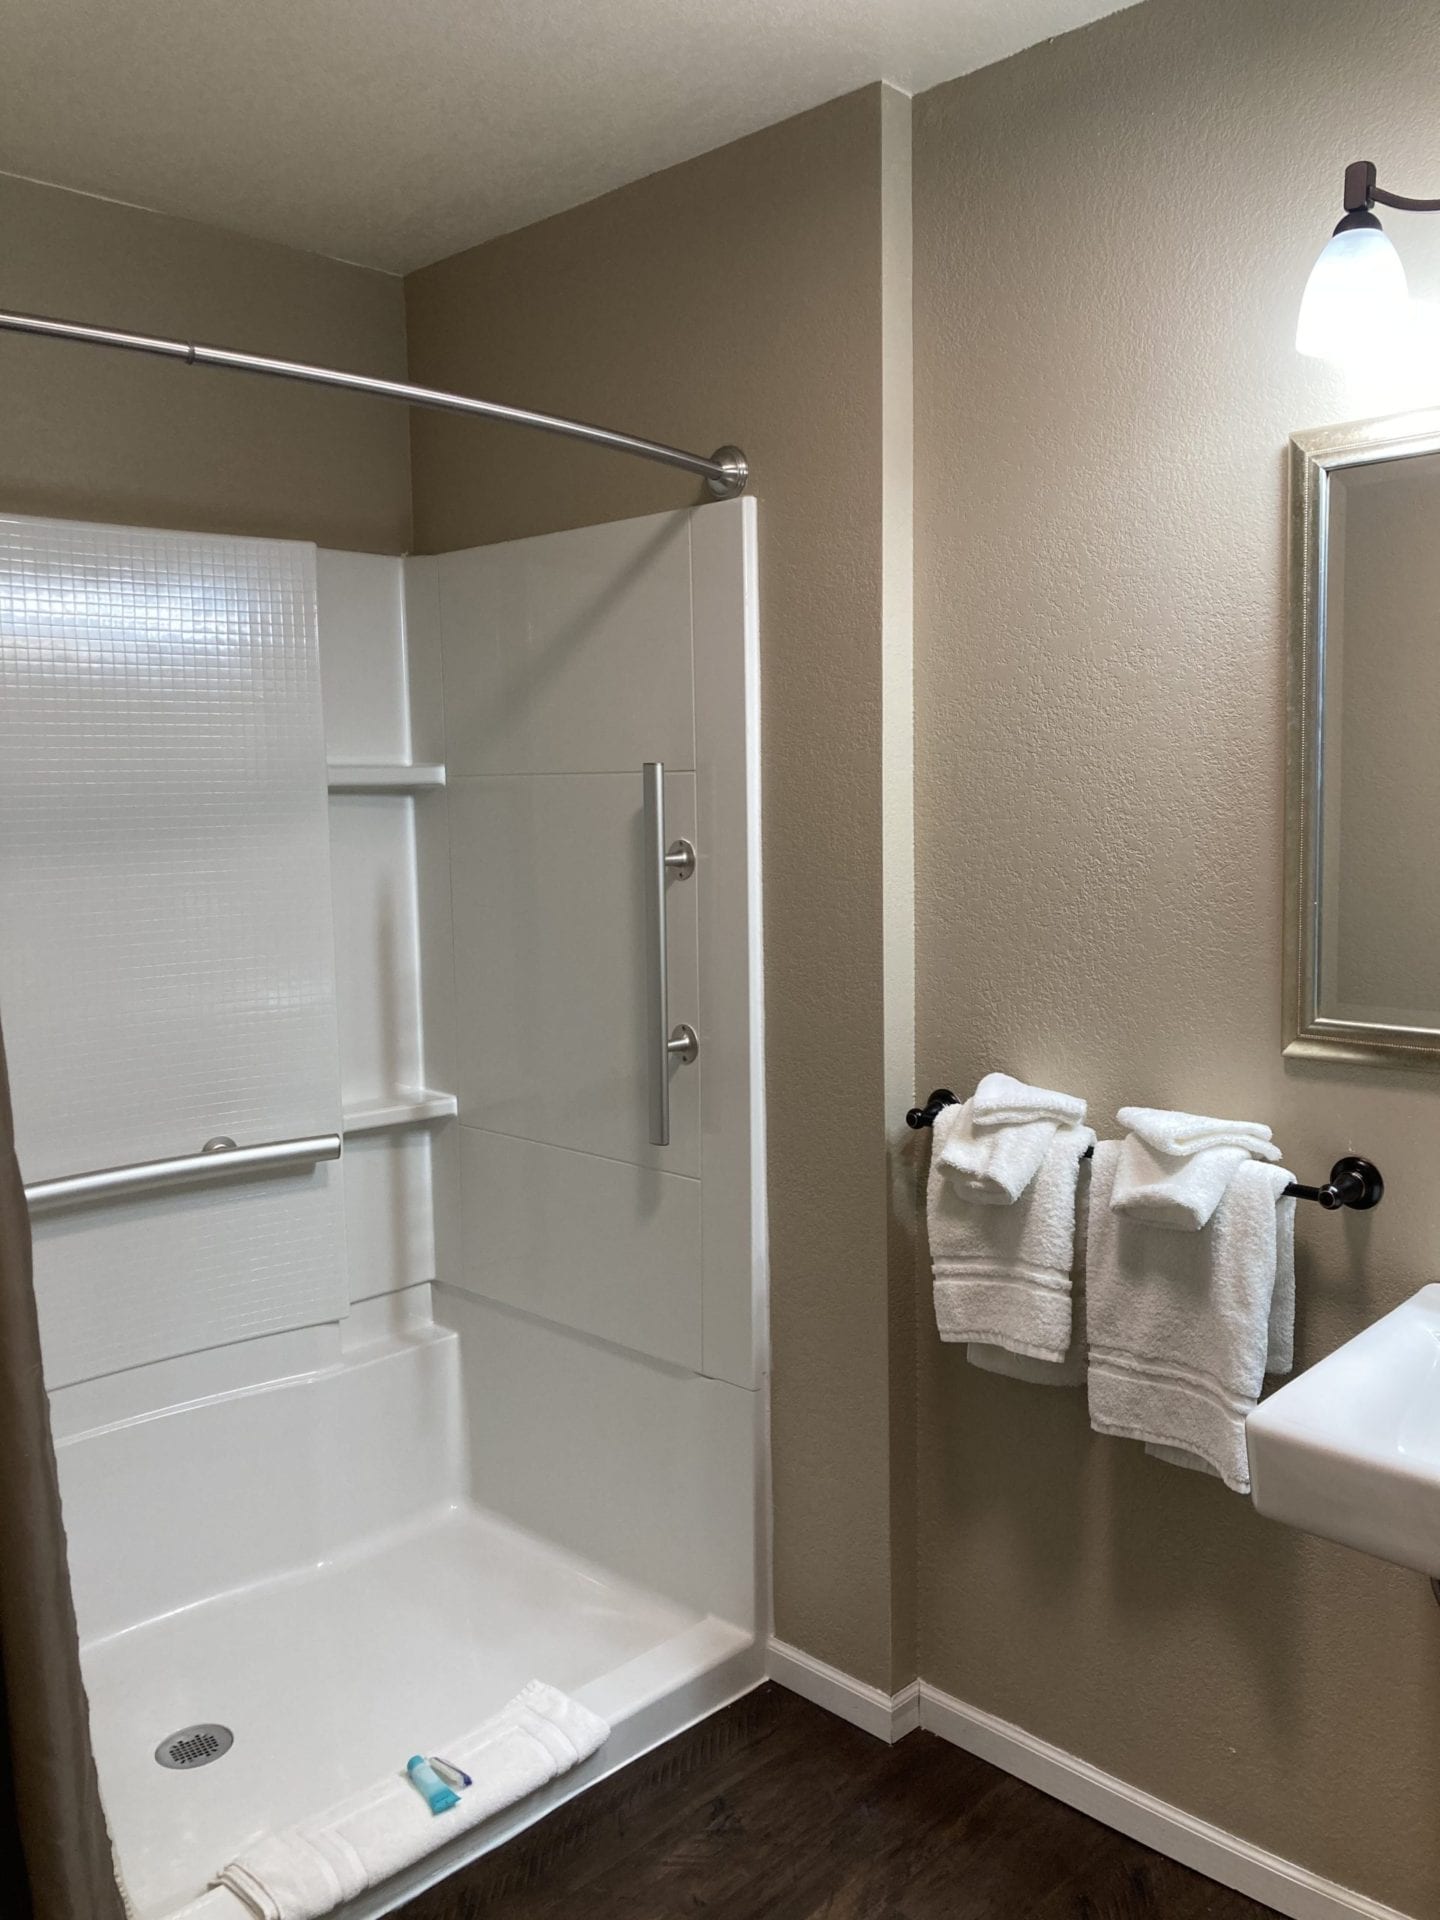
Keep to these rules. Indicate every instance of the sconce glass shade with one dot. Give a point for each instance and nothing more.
(1356, 300)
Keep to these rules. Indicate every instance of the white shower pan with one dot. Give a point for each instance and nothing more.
(305, 1564)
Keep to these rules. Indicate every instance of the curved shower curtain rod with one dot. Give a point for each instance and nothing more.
(725, 472)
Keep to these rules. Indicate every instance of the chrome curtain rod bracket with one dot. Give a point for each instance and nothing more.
(218, 1159)
(725, 472)
(1353, 1182)
(732, 475)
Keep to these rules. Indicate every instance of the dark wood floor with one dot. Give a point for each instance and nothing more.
(774, 1810)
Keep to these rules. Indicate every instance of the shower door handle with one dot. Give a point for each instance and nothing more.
(662, 1046)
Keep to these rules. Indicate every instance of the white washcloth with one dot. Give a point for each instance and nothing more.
(1003, 1101)
(304, 1871)
(1183, 1328)
(1175, 1167)
(994, 1145)
(992, 1166)
(1173, 1192)
(1180, 1134)
(1002, 1274)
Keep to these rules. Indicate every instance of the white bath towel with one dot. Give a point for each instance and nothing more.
(994, 1144)
(1069, 1372)
(1183, 1327)
(304, 1871)
(1002, 1273)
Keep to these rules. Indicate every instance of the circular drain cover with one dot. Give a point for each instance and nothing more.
(194, 1746)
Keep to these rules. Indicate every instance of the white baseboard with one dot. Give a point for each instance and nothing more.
(889, 1716)
(1236, 1863)
(1225, 1857)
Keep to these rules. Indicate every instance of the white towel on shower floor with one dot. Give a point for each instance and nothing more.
(305, 1871)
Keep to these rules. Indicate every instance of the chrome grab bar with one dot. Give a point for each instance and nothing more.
(218, 1159)
(661, 861)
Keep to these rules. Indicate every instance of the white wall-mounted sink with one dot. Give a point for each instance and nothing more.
(1350, 1449)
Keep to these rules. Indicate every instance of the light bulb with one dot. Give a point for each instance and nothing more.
(1356, 301)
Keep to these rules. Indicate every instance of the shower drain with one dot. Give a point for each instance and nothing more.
(195, 1746)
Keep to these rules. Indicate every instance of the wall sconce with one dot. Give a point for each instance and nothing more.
(1356, 298)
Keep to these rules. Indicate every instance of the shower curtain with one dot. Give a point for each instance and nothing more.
(55, 1858)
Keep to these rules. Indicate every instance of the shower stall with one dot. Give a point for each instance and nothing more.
(380, 967)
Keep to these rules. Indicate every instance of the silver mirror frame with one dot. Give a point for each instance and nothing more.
(1314, 456)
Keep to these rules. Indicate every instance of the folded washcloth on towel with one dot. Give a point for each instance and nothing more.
(1003, 1101)
(1175, 1167)
(992, 1146)
(1186, 1133)
(1182, 1327)
(1002, 1273)
(304, 1871)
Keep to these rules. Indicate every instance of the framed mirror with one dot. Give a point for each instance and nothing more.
(1362, 960)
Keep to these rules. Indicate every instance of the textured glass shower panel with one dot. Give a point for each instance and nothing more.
(166, 955)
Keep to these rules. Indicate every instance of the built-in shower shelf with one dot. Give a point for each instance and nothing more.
(383, 777)
(405, 1107)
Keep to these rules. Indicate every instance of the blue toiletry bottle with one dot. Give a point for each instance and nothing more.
(438, 1796)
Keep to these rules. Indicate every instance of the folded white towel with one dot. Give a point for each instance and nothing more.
(1003, 1101)
(1175, 1167)
(993, 1146)
(304, 1871)
(1182, 1327)
(991, 1166)
(1002, 1273)
(1180, 1134)
(1171, 1192)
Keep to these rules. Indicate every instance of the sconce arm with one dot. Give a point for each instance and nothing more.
(1361, 192)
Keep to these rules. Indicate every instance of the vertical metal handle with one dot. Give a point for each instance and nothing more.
(660, 862)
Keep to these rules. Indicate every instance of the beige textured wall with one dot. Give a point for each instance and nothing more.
(1112, 232)
(738, 297)
(107, 436)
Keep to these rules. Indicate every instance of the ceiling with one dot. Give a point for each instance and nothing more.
(394, 132)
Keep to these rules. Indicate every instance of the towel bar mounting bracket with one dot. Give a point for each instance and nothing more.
(1353, 1183)
(919, 1117)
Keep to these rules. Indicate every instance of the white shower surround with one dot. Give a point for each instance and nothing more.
(165, 950)
(357, 1536)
